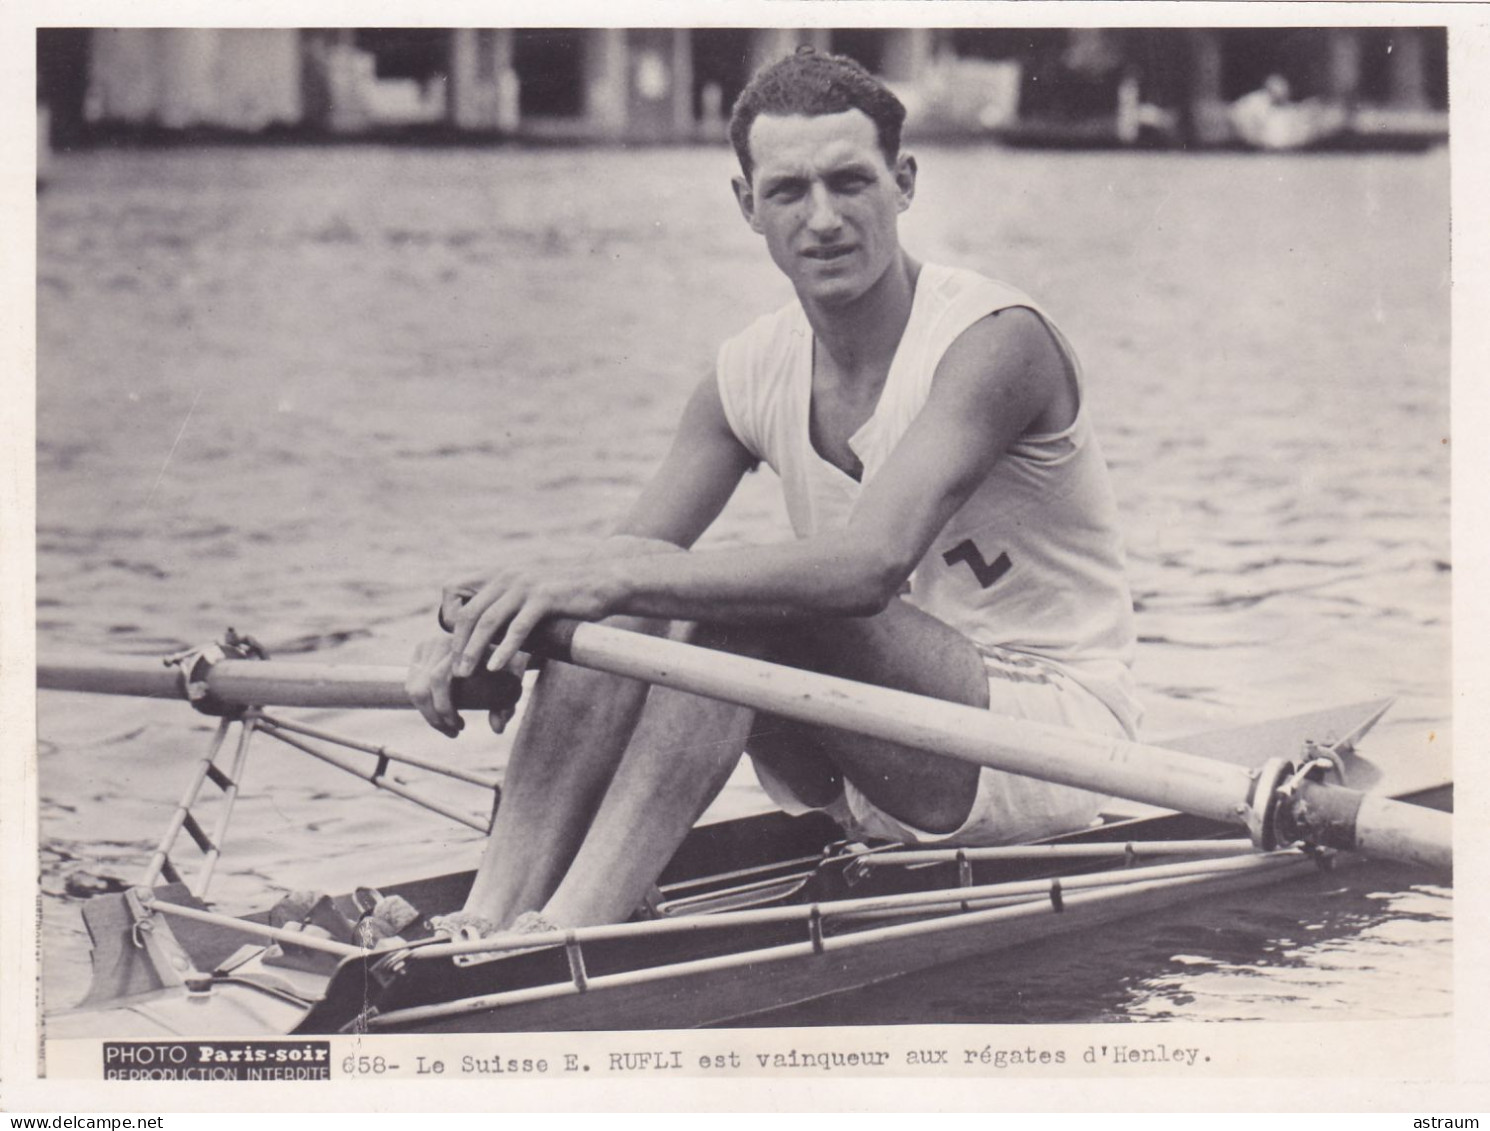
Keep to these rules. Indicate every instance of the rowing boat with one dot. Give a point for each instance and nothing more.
(752, 914)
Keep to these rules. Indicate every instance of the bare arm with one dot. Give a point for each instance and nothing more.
(701, 471)
(1003, 376)
(999, 379)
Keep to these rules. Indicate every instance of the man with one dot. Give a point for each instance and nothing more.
(955, 537)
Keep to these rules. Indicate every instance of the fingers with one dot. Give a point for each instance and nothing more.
(484, 620)
(431, 686)
(472, 622)
(508, 608)
(443, 704)
(524, 621)
(428, 687)
(498, 719)
(453, 598)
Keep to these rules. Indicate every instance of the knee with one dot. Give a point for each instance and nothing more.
(946, 816)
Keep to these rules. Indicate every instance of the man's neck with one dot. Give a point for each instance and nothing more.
(862, 336)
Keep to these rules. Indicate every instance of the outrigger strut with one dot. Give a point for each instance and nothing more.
(195, 667)
(183, 820)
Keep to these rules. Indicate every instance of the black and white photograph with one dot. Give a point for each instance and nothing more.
(912, 544)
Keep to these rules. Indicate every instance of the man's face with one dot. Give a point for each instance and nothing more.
(826, 201)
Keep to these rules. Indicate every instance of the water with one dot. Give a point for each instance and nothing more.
(294, 390)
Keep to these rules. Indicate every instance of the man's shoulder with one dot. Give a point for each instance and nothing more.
(782, 318)
(960, 285)
(768, 337)
(960, 309)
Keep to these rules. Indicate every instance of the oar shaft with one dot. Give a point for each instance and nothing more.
(1135, 771)
(1150, 774)
(259, 683)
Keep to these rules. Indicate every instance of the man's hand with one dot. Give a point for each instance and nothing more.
(430, 686)
(502, 612)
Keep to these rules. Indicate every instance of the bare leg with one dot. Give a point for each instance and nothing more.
(573, 734)
(680, 756)
(684, 748)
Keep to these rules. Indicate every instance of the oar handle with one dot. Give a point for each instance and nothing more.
(550, 640)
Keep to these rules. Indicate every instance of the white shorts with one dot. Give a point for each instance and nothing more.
(1008, 808)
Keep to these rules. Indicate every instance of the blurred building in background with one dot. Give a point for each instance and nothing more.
(1261, 87)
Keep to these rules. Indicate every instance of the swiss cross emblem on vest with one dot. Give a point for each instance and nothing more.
(985, 571)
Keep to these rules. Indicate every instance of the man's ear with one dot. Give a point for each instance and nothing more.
(905, 179)
(745, 198)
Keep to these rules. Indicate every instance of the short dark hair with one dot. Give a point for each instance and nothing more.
(810, 84)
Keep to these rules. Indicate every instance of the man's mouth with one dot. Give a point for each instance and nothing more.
(837, 251)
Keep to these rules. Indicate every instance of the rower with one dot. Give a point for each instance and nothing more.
(955, 536)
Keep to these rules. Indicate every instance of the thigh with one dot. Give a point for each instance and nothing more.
(1011, 808)
(901, 648)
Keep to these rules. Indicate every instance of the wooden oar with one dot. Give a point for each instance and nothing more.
(1329, 816)
(1324, 815)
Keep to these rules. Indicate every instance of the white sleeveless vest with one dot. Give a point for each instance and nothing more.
(1031, 567)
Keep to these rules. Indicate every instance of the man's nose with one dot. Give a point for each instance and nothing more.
(823, 216)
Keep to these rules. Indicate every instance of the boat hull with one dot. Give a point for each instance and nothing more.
(712, 977)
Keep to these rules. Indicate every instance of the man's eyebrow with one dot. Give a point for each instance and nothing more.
(777, 180)
(852, 169)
